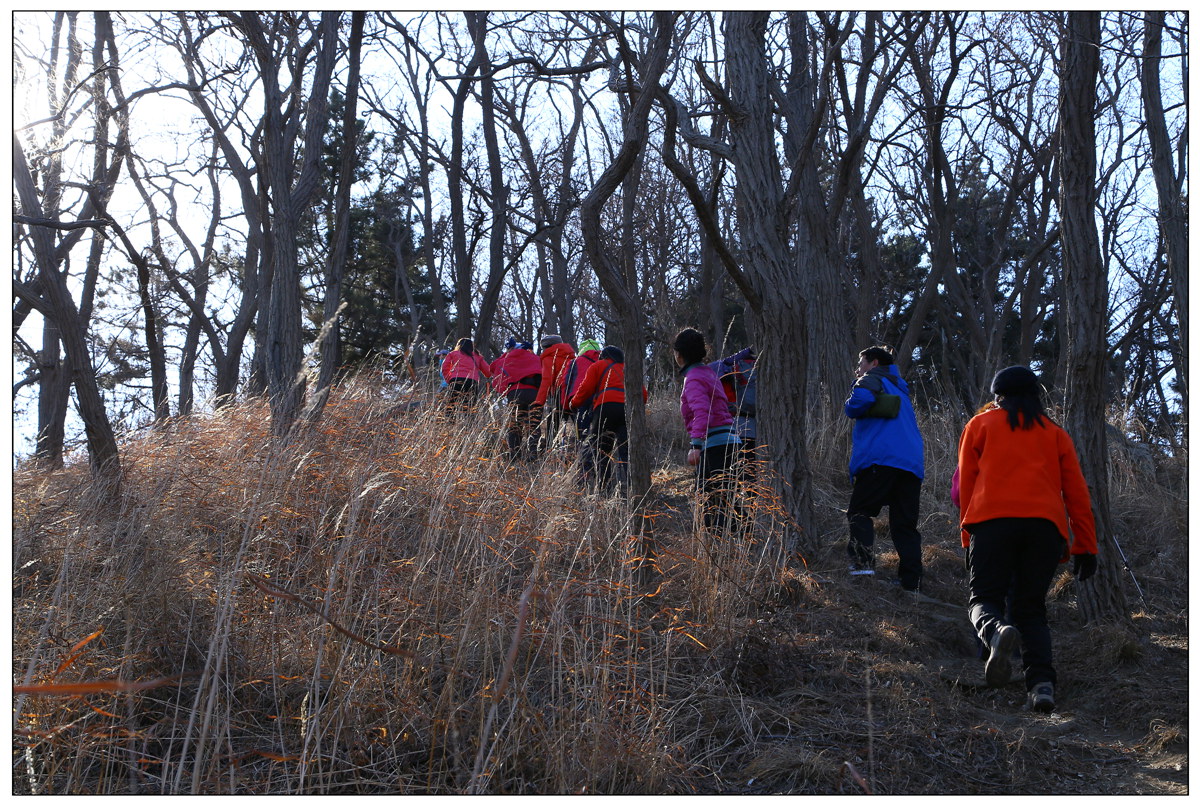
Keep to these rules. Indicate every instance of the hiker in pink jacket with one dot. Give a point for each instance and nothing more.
(704, 407)
(464, 371)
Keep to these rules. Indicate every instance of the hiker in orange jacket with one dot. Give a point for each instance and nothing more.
(603, 392)
(552, 398)
(517, 374)
(1023, 495)
(464, 370)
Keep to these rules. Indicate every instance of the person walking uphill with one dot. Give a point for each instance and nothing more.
(463, 370)
(603, 391)
(589, 354)
(556, 359)
(887, 465)
(704, 407)
(516, 375)
(1023, 495)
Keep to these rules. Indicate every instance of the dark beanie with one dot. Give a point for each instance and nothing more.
(1014, 381)
(613, 353)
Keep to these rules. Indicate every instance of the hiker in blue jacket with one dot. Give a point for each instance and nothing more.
(887, 464)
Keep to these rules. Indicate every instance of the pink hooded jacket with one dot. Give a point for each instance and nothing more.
(459, 365)
(703, 403)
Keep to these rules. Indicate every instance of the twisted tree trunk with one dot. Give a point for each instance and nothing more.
(1085, 291)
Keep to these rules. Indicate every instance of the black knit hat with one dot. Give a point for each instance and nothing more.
(1014, 381)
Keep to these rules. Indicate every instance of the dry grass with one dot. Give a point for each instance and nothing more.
(386, 606)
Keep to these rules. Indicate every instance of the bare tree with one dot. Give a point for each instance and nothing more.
(335, 265)
(1172, 212)
(42, 210)
(1086, 295)
(293, 126)
(641, 74)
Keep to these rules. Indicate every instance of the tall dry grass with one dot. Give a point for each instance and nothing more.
(385, 605)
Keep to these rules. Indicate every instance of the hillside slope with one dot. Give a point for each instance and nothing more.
(385, 605)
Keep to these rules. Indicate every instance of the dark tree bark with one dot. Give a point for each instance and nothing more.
(1172, 212)
(1085, 293)
(288, 190)
(57, 304)
(335, 266)
(54, 395)
(782, 311)
(256, 259)
(477, 25)
(463, 274)
(621, 289)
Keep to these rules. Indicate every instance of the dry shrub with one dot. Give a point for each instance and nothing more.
(383, 604)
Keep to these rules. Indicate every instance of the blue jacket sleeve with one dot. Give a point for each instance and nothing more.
(860, 401)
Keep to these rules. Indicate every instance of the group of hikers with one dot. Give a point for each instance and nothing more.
(585, 391)
(1024, 505)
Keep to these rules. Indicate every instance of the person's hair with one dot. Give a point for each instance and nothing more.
(1017, 391)
(465, 346)
(1024, 408)
(689, 343)
(613, 353)
(881, 354)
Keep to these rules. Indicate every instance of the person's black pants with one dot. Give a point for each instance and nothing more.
(611, 441)
(717, 484)
(1016, 557)
(522, 431)
(900, 491)
(461, 394)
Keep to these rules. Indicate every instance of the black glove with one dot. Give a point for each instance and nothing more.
(1085, 567)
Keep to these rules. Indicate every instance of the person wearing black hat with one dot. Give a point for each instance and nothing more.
(1025, 509)
(887, 465)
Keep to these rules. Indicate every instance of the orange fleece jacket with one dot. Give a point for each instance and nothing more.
(1026, 473)
(606, 380)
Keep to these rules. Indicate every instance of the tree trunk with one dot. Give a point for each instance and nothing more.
(59, 306)
(625, 299)
(335, 266)
(477, 24)
(463, 270)
(781, 317)
(1172, 213)
(283, 360)
(1085, 293)
(54, 393)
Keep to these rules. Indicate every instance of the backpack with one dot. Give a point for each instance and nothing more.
(746, 375)
(886, 405)
(571, 380)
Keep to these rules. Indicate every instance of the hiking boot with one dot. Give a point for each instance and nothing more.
(1041, 698)
(998, 668)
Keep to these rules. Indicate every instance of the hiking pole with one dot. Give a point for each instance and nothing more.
(1128, 570)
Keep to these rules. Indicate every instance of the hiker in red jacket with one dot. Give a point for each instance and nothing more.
(603, 390)
(464, 370)
(516, 375)
(551, 398)
(589, 353)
